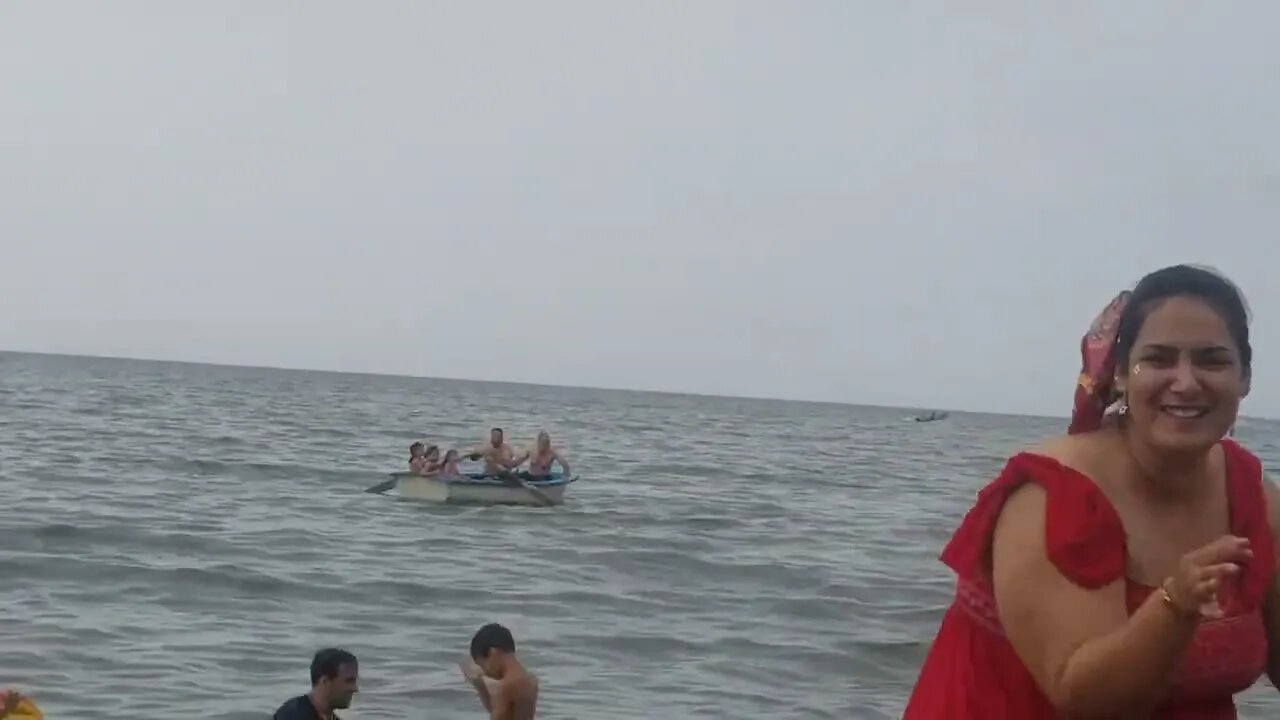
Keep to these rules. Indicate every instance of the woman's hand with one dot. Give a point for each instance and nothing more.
(1193, 588)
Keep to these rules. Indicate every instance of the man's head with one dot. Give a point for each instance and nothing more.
(490, 646)
(334, 675)
(495, 437)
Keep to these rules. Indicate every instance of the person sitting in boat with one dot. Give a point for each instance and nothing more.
(1126, 569)
(449, 468)
(417, 459)
(540, 458)
(499, 458)
(424, 460)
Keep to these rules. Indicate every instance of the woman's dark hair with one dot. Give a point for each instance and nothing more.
(1188, 281)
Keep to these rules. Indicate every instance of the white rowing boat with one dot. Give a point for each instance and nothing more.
(482, 489)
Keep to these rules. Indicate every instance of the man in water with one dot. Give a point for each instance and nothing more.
(506, 690)
(499, 458)
(334, 676)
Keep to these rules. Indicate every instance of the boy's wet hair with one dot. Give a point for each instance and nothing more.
(491, 637)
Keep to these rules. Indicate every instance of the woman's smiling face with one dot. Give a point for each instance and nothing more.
(1184, 378)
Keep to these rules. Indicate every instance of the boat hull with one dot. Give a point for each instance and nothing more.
(474, 489)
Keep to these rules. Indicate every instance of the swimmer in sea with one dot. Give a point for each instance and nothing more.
(335, 679)
(540, 459)
(506, 690)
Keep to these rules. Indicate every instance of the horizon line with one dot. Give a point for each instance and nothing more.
(524, 383)
(721, 396)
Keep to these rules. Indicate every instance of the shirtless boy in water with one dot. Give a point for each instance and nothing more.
(505, 689)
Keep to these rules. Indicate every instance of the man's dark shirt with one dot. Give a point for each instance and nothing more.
(299, 708)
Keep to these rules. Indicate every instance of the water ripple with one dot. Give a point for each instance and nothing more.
(172, 531)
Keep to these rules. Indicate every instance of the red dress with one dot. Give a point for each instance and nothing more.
(972, 671)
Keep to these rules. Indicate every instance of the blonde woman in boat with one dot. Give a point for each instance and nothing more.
(540, 458)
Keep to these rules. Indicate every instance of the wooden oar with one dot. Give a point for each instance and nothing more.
(535, 492)
(513, 477)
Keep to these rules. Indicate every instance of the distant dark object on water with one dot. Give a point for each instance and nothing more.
(932, 415)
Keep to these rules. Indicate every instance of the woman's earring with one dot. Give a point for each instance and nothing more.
(1122, 405)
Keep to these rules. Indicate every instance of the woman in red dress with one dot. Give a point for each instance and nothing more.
(1125, 570)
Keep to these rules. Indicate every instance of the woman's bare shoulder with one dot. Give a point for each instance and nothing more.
(1082, 452)
(1025, 506)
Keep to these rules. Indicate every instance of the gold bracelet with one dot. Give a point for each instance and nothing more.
(1172, 604)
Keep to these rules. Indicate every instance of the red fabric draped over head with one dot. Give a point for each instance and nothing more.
(1096, 387)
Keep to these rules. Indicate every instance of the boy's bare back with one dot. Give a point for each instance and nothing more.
(517, 696)
(505, 688)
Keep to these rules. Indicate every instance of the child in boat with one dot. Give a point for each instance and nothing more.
(424, 461)
(418, 458)
(449, 468)
(505, 688)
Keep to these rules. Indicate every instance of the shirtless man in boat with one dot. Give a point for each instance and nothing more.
(540, 458)
(499, 458)
(506, 690)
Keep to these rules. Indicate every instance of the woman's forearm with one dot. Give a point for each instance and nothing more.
(1125, 673)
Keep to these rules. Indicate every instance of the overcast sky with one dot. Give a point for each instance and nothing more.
(873, 202)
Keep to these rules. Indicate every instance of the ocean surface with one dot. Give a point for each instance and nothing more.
(177, 540)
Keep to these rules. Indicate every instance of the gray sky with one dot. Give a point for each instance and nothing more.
(872, 202)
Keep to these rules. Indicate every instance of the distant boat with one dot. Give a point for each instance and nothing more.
(932, 415)
(476, 488)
